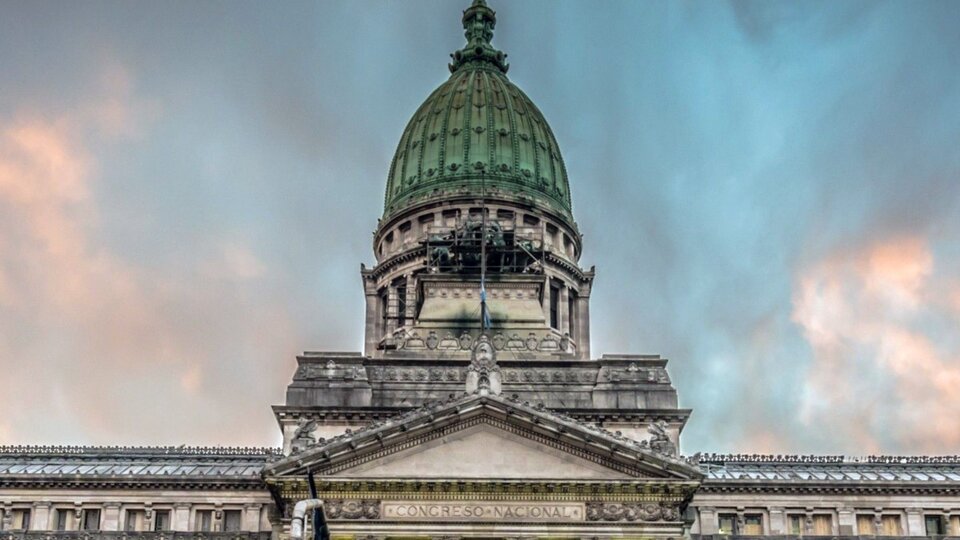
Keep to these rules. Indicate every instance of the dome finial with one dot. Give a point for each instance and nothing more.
(478, 24)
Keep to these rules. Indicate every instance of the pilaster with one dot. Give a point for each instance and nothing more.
(708, 520)
(111, 517)
(181, 517)
(251, 517)
(847, 521)
(40, 521)
(915, 525)
(777, 521)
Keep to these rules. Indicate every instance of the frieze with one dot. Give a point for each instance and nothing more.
(331, 370)
(448, 341)
(610, 511)
(634, 373)
(535, 511)
(433, 374)
(352, 509)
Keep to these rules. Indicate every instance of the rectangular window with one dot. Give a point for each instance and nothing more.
(554, 307)
(752, 525)
(161, 520)
(91, 520)
(231, 520)
(727, 523)
(822, 524)
(571, 311)
(401, 304)
(890, 525)
(21, 520)
(134, 521)
(796, 524)
(63, 519)
(204, 521)
(865, 525)
(934, 525)
(384, 310)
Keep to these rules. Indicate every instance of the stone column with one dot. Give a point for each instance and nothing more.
(847, 521)
(111, 517)
(778, 521)
(411, 299)
(370, 331)
(564, 311)
(915, 525)
(708, 520)
(7, 521)
(181, 517)
(251, 517)
(40, 520)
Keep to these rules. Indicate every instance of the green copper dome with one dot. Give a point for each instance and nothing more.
(478, 131)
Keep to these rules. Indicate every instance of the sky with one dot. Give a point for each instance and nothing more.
(770, 192)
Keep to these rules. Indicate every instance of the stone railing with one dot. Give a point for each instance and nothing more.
(826, 459)
(76, 450)
(809, 537)
(125, 535)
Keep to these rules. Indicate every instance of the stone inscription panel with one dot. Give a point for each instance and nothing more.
(483, 511)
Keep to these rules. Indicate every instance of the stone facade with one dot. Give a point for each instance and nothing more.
(476, 409)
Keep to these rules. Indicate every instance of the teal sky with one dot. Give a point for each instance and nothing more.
(770, 192)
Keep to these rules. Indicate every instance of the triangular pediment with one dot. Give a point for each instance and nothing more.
(483, 450)
(482, 437)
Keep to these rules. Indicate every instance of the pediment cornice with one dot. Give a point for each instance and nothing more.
(441, 419)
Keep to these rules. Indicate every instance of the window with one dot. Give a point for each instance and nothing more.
(554, 306)
(865, 525)
(231, 520)
(934, 525)
(384, 309)
(91, 520)
(401, 303)
(890, 525)
(822, 524)
(64, 519)
(796, 524)
(728, 523)
(21, 520)
(134, 520)
(571, 311)
(752, 524)
(161, 520)
(204, 521)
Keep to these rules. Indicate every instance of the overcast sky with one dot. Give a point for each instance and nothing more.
(770, 192)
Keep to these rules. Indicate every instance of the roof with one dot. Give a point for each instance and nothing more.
(79, 464)
(478, 132)
(832, 470)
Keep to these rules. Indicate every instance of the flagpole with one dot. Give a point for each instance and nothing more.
(483, 252)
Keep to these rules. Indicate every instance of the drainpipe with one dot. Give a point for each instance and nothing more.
(299, 516)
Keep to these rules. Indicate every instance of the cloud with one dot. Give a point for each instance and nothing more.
(883, 373)
(97, 347)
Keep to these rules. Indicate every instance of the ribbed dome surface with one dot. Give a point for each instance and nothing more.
(478, 128)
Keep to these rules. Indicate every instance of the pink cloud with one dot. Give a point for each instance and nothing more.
(881, 374)
(95, 347)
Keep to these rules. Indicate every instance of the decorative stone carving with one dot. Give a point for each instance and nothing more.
(607, 511)
(660, 441)
(483, 375)
(303, 436)
(352, 509)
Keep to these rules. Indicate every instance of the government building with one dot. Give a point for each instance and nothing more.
(476, 409)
